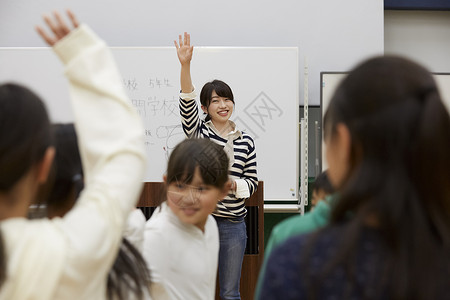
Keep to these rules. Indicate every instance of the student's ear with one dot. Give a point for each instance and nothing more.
(339, 155)
(45, 165)
(165, 179)
(345, 141)
(205, 109)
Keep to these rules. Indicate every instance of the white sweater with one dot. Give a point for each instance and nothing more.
(69, 258)
(182, 259)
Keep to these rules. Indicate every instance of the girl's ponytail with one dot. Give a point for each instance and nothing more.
(431, 163)
(430, 174)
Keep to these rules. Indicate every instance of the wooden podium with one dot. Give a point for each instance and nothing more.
(254, 253)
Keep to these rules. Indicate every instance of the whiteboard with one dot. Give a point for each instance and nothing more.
(330, 81)
(264, 81)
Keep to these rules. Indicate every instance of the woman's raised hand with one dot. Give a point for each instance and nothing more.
(57, 25)
(184, 49)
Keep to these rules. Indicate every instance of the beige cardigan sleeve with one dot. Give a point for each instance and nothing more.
(110, 134)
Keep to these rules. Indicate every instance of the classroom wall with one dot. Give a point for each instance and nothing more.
(332, 35)
(420, 35)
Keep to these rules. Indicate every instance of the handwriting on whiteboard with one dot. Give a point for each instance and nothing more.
(156, 106)
(131, 84)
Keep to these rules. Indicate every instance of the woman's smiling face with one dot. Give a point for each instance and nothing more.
(219, 109)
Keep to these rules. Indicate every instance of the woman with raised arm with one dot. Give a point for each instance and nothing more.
(69, 257)
(217, 102)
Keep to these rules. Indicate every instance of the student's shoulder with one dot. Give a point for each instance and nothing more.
(285, 253)
(157, 222)
(298, 224)
(303, 223)
(211, 221)
(322, 239)
(21, 233)
(290, 226)
(24, 230)
(211, 227)
(318, 245)
(322, 242)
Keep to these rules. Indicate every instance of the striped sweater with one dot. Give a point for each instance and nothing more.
(241, 151)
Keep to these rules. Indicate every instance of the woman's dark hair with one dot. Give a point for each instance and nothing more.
(323, 183)
(222, 90)
(129, 274)
(399, 174)
(25, 135)
(207, 156)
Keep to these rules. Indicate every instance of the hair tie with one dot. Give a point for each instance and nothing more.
(77, 177)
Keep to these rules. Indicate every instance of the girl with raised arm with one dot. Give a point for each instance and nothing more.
(217, 102)
(69, 257)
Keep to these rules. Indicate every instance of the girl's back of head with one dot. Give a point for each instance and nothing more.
(25, 136)
(399, 162)
(24, 133)
(400, 136)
